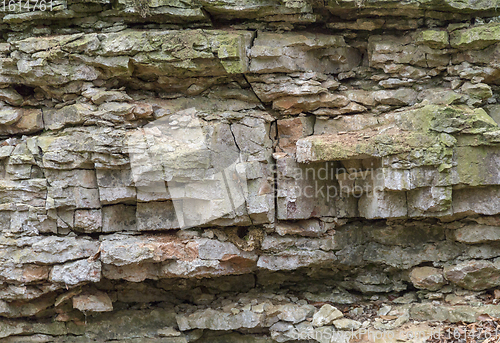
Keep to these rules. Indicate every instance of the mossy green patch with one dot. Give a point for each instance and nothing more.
(478, 37)
(426, 136)
(472, 168)
(435, 39)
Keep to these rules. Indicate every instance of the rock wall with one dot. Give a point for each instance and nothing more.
(230, 170)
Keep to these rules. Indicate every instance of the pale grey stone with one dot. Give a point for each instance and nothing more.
(326, 315)
(217, 320)
(50, 250)
(118, 218)
(153, 216)
(474, 275)
(295, 313)
(346, 324)
(94, 301)
(74, 273)
(475, 233)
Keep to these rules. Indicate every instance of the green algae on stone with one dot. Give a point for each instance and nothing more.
(180, 53)
(492, 136)
(423, 137)
(436, 39)
(478, 37)
(333, 148)
(454, 119)
(477, 90)
(482, 5)
(476, 166)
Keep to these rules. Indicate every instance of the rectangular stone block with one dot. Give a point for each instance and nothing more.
(73, 197)
(118, 218)
(73, 273)
(116, 195)
(88, 220)
(154, 216)
(476, 200)
(383, 204)
(311, 190)
(429, 202)
(301, 51)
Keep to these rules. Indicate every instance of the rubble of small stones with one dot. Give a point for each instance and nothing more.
(247, 170)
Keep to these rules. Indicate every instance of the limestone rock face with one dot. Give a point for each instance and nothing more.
(474, 275)
(246, 170)
(326, 315)
(93, 302)
(427, 278)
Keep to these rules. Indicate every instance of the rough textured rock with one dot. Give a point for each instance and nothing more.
(326, 315)
(474, 275)
(427, 278)
(93, 302)
(246, 170)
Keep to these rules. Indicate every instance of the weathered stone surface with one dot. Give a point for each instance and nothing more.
(346, 324)
(49, 250)
(290, 130)
(20, 121)
(311, 228)
(380, 204)
(474, 234)
(93, 302)
(11, 97)
(427, 278)
(293, 259)
(156, 216)
(118, 218)
(477, 200)
(270, 87)
(73, 273)
(117, 53)
(478, 37)
(301, 52)
(221, 171)
(437, 39)
(408, 257)
(88, 220)
(474, 275)
(217, 320)
(468, 314)
(26, 274)
(17, 310)
(326, 315)
(125, 324)
(480, 90)
(120, 250)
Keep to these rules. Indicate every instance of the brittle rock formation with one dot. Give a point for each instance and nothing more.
(246, 170)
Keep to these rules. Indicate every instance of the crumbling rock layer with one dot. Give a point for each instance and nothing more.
(231, 170)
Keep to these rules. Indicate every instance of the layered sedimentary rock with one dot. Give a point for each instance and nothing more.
(246, 171)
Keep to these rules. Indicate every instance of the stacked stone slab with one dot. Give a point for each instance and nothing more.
(215, 171)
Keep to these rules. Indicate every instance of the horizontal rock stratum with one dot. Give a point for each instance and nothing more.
(247, 170)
